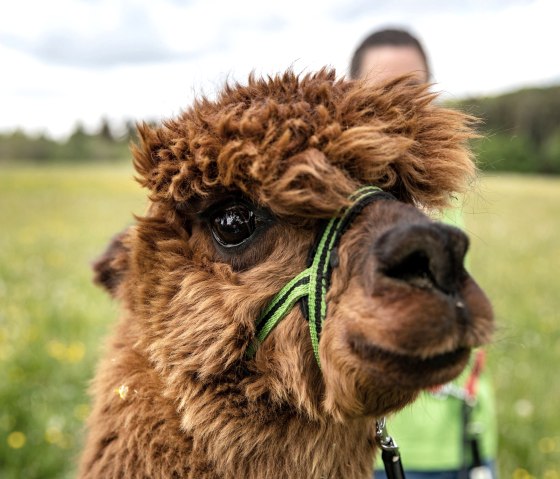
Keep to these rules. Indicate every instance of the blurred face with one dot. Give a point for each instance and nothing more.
(386, 62)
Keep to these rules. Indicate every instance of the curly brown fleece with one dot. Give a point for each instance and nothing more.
(302, 145)
(190, 404)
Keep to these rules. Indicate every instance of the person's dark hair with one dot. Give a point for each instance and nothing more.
(388, 37)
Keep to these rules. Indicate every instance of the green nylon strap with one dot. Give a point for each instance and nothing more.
(280, 305)
(316, 287)
(313, 282)
(321, 263)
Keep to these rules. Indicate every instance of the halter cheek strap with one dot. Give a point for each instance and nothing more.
(313, 283)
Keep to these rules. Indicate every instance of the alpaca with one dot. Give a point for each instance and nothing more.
(193, 385)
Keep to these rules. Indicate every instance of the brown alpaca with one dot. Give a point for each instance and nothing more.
(239, 188)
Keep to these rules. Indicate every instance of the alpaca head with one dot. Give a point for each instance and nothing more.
(239, 189)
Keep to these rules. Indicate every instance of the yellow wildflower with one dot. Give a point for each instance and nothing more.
(75, 352)
(122, 391)
(16, 440)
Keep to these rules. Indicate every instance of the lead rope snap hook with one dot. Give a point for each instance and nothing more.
(389, 451)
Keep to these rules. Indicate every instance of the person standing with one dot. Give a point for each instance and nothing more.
(450, 432)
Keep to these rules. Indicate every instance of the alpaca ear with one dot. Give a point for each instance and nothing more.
(111, 267)
(144, 152)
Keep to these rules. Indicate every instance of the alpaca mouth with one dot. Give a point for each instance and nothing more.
(419, 371)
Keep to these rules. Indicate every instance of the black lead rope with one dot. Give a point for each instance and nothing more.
(389, 451)
(471, 444)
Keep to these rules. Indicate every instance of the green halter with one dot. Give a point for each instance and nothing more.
(313, 283)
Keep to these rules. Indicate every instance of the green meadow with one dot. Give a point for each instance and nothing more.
(55, 220)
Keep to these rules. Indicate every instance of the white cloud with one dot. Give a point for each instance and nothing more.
(77, 59)
(100, 34)
(496, 51)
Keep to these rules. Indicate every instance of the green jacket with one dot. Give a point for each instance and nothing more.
(429, 432)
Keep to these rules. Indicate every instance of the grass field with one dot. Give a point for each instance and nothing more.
(55, 220)
(514, 224)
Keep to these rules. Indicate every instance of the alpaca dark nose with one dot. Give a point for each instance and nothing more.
(424, 255)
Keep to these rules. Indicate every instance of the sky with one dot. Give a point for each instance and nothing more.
(69, 61)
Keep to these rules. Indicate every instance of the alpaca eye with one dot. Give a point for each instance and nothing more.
(232, 225)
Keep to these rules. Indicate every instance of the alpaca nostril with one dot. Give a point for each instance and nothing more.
(424, 255)
(414, 269)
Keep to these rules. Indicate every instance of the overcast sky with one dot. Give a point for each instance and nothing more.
(67, 60)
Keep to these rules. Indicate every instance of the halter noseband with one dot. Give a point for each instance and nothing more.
(313, 283)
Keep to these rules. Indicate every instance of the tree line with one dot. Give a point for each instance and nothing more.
(107, 143)
(520, 132)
